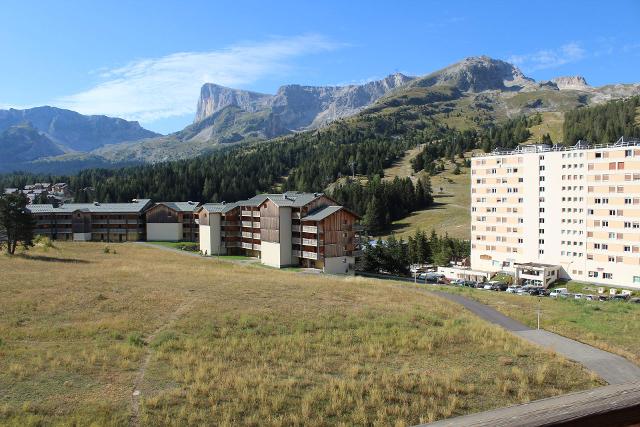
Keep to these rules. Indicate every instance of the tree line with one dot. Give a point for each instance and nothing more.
(603, 124)
(380, 202)
(395, 256)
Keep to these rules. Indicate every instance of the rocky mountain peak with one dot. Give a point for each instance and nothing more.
(571, 82)
(477, 74)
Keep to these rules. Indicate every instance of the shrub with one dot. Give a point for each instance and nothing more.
(135, 339)
(106, 250)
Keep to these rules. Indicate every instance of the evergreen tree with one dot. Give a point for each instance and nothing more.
(15, 221)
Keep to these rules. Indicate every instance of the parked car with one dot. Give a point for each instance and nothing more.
(559, 292)
(603, 298)
(513, 289)
(457, 282)
(635, 300)
(479, 285)
(538, 291)
(620, 297)
(470, 284)
(577, 296)
(487, 286)
(591, 297)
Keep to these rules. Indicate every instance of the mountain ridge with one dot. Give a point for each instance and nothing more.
(472, 93)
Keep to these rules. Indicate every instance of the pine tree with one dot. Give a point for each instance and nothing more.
(15, 221)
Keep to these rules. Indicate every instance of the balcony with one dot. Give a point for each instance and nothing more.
(246, 234)
(256, 214)
(295, 215)
(295, 240)
(230, 223)
(310, 242)
(232, 244)
(256, 225)
(296, 228)
(246, 245)
(295, 253)
(230, 234)
(246, 213)
(309, 255)
(256, 236)
(246, 223)
(256, 247)
(310, 229)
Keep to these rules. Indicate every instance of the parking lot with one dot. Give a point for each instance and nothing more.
(526, 290)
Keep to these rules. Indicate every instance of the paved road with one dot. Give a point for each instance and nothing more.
(610, 367)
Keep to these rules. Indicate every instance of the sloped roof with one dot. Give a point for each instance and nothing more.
(181, 206)
(322, 213)
(132, 207)
(288, 199)
(218, 207)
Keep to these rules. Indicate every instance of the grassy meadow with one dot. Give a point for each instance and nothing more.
(451, 210)
(146, 336)
(612, 325)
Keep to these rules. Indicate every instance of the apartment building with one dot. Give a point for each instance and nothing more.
(172, 221)
(577, 208)
(108, 222)
(303, 229)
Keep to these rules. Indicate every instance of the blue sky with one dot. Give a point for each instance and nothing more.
(146, 60)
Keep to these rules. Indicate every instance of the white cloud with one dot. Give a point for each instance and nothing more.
(549, 58)
(151, 89)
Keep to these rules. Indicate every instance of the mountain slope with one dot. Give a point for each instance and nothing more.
(23, 143)
(226, 115)
(472, 94)
(74, 131)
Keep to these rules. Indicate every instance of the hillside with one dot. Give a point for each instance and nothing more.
(66, 132)
(471, 94)
(23, 143)
(245, 345)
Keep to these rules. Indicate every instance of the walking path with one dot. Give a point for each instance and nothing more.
(610, 367)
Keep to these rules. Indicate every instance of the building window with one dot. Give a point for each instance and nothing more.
(607, 275)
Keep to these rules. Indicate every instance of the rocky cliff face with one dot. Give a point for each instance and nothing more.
(214, 98)
(73, 131)
(571, 82)
(297, 107)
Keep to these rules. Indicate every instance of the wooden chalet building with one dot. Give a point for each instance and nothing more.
(107, 222)
(289, 229)
(172, 221)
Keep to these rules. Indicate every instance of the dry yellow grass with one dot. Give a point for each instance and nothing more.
(228, 344)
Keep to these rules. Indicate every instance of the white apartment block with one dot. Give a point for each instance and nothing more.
(573, 207)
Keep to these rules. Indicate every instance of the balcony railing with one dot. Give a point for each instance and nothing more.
(246, 234)
(309, 229)
(230, 223)
(246, 223)
(256, 236)
(256, 214)
(246, 245)
(310, 242)
(232, 244)
(256, 225)
(296, 228)
(256, 247)
(246, 213)
(309, 255)
(295, 240)
(295, 253)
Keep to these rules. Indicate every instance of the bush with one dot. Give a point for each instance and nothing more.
(106, 250)
(135, 339)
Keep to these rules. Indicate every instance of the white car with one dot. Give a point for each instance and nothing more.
(559, 292)
(513, 289)
(577, 296)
